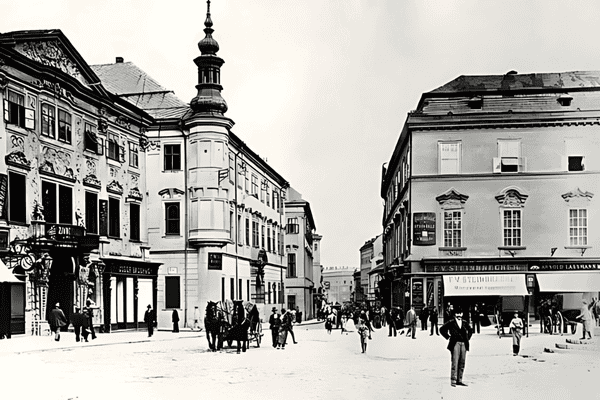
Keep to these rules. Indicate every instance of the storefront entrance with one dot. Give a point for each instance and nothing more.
(60, 285)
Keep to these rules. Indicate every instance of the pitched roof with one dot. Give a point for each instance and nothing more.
(126, 80)
(514, 81)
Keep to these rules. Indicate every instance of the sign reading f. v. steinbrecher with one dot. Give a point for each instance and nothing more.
(485, 285)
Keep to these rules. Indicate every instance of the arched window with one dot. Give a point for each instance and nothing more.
(172, 219)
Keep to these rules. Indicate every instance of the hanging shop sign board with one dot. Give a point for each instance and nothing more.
(417, 292)
(215, 260)
(485, 285)
(424, 229)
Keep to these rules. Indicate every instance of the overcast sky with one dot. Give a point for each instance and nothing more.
(321, 88)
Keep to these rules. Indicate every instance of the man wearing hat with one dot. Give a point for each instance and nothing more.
(458, 332)
(274, 324)
(150, 320)
(56, 321)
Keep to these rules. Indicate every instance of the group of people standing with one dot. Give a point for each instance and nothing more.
(82, 321)
(395, 319)
(280, 325)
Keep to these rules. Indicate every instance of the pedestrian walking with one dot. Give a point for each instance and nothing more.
(411, 322)
(433, 318)
(298, 315)
(85, 326)
(56, 321)
(90, 316)
(150, 320)
(175, 319)
(423, 315)
(383, 313)
(274, 324)
(365, 317)
(477, 316)
(399, 320)
(77, 322)
(286, 321)
(586, 319)
(516, 328)
(290, 326)
(329, 322)
(363, 332)
(389, 318)
(458, 333)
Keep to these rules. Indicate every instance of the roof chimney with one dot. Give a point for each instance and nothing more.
(119, 60)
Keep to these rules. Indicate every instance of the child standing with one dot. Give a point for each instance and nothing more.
(363, 331)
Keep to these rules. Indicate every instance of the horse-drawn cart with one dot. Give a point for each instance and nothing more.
(226, 321)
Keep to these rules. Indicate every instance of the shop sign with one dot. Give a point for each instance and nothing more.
(564, 267)
(132, 270)
(63, 232)
(467, 267)
(3, 195)
(215, 261)
(486, 284)
(424, 229)
(417, 291)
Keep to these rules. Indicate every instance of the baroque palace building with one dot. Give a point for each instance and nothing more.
(114, 190)
(491, 194)
(72, 190)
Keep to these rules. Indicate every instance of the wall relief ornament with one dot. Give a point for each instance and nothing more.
(18, 159)
(512, 196)
(122, 121)
(135, 194)
(18, 143)
(3, 82)
(577, 194)
(91, 166)
(452, 198)
(60, 161)
(114, 187)
(91, 180)
(49, 53)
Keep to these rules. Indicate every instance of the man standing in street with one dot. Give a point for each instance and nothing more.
(458, 332)
(150, 320)
(433, 318)
(56, 321)
(390, 319)
(423, 315)
(77, 321)
(90, 316)
(274, 324)
(411, 322)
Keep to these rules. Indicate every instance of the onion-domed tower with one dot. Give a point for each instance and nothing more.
(209, 99)
(207, 153)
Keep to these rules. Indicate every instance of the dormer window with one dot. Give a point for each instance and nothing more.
(564, 100)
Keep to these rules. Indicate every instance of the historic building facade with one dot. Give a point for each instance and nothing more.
(299, 250)
(338, 282)
(216, 207)
(72, 188)
(491, 193)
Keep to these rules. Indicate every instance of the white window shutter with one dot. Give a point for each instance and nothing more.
(496, 165)
(523, 164)
(29, 118)
(6, 110)
(100, 146)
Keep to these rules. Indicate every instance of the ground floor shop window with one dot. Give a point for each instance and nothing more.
(172, 292)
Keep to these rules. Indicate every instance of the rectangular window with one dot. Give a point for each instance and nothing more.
(91, 212)
(134, 222)
(172, 157)
(240, 293)
(231, 169)
(449, 154)
(254, 186)
(17, 204)
(172, 292)
(268, 239)
(65, 201)
(292, 226)
(48, 120)
(172, 219)
(64, 126)
(254, 234)
(269, 292)
(247, 231)
(91, 140)
(113, 149)
(262, 236)
(511, 225)
(14, 109)
(509, 152)
(247, 183)
(275, 200)
(575, 151)
(49, 201)
(114, 216)
(578, 227)
(268, 194)
(291, 269)
(57, 201)
(240, 231)
(134, 157)
(231, 288)
(222, 288)
(248, 289)
(452, 228)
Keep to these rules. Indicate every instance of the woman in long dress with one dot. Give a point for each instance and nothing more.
(516, 327)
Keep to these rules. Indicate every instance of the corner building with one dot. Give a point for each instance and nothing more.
(491, 194)
(216, 208)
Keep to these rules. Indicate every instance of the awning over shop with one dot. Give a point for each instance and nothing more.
(569, 282)
(485, 285)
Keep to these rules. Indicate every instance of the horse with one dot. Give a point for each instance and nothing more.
(238, 327)
(212, 324)
(595, 309)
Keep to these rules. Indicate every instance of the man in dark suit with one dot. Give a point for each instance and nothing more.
(433, 318)
(77, 321)
(458, 332)
(274, 324)
(150, 320)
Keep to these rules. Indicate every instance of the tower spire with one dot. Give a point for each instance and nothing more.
(209, 99)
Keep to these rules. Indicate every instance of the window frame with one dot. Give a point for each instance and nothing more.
(91, 218)
(451, 242)
(510, 241)
(64, 129)
(580, 240)
(174, 221)
(48, 122)
(134, 155)
(134, 222)
(172, 159)
(114, 217)
(441, 152)
(291, 266)
(59, 208)
(17, 202)
(505, 168)
(173, 300)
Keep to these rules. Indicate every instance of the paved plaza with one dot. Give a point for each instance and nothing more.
(321, 366)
